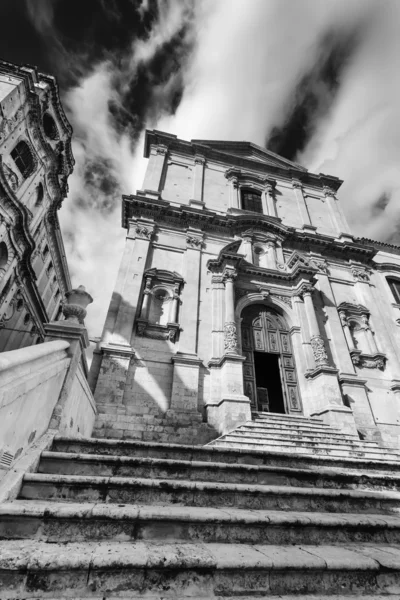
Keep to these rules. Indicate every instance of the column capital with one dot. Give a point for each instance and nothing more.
(306, 289)
(328, 191)
(270, 185)
(163, 150)
(199, 160)
(297, 184)
(229, 274)
(140, 230)
(195, 242)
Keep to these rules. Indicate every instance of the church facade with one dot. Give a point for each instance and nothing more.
(35, 162)
(242, 290)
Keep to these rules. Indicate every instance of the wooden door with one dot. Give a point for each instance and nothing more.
(263, 330)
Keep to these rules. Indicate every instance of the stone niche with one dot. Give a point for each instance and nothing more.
(159, 313)
(360, 337)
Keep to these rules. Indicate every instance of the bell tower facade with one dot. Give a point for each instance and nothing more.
(241, 289)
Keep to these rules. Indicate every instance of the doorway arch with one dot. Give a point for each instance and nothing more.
(269, 371)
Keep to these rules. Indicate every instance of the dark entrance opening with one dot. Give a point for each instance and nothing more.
(268, 376)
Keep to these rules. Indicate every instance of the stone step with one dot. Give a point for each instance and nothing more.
(64, 463)
(125, 490)
(284, 417)
(209, 453)
(276, 424)
(60, 522)
(302, 447)
(286, 430)
(30, 568)
(245, 430)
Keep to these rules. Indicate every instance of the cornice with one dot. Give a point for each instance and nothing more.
(234, 224)
(225, 158)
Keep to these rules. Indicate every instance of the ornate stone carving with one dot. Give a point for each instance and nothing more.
(306, 288)
(296, 183)
(321, 266)
(8, 125)
(319, 352)
(162, 150)
(230, 337)
(11, 176)
(229, 274)
(143, 232)
(286, 299)
(328, 191)
(199, 160)
(360, 274)
(368, 361)
(194, 242)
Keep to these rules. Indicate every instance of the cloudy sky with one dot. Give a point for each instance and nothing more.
(317, 81)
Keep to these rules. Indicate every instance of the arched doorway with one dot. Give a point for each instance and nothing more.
(269, 371)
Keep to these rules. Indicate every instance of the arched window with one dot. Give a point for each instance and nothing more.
(23, 158)
(50, 127)
(39, 194)
(251, 200)
(394, 285)
(3, 255)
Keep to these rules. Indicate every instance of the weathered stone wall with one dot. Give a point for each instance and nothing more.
(30, 384)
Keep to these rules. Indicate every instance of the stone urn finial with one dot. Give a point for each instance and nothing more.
(74, 307)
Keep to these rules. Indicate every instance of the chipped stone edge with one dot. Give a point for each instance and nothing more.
(10, 484)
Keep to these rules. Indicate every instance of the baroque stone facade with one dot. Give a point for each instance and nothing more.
(35, 162)
(241, 288)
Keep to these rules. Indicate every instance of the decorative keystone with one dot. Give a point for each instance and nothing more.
(74, 308)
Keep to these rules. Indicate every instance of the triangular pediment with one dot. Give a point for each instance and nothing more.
(250, 151)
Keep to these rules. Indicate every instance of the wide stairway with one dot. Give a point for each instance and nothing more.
(271, 432)
(110, 519)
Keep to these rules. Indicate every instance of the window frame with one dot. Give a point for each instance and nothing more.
(394, 286)
(23, 159)
(247, 191)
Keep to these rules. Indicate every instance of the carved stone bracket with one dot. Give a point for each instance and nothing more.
(158, 332)
(368, 361)
(230, 338)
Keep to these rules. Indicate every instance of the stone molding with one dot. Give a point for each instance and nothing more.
(368, 361)
(320, 370)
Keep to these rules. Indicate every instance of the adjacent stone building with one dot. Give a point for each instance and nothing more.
(241, 289)
(35, 162)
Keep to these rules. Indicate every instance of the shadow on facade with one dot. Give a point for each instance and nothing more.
(144, 395)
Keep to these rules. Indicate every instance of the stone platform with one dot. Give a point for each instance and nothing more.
(105, 518)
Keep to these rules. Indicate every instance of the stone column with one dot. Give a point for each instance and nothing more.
(230, 333)
(185, 383)
(144, 313)
(198, 179)
(247, 248)
(316, 340)
(155, 168)
(270, 255)
(301, 203)
(173, 313)
(218, 292)
(270, 197)
(325, 396)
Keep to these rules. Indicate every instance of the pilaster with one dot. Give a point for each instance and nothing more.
(155, 168)
(198, 181)
(190, 298)
(301, 203)
(336, 214)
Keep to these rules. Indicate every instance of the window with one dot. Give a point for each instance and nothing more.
(23, 158)
(394, 285)
(39, 194)
(251, 200)
(50, 127)
(3, 255)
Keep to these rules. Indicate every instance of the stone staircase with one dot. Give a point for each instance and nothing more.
(108, 519)
(271, 432)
